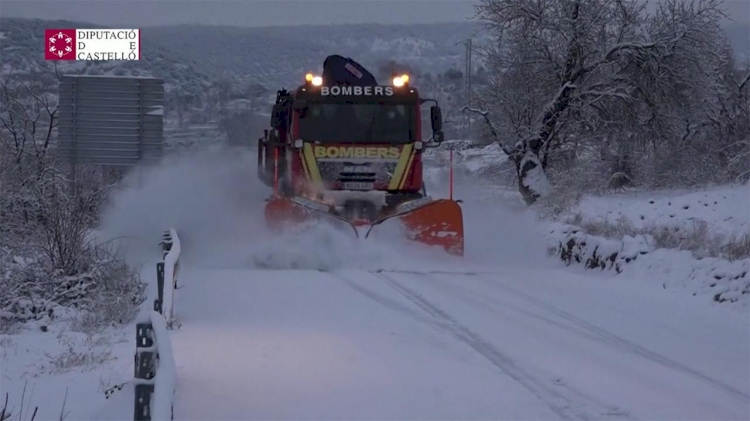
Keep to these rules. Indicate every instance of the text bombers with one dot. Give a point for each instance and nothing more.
(356, 90)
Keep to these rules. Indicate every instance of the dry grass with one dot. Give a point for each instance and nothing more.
(25, 412)
(86, 355)
(694, 236)
(738, 247)
(10, 414)
(558, 202)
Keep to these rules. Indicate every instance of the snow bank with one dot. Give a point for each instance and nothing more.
(692, 224)
(572, 245)
(165, 378)
(724, 281)
(637, 259)
(171, 262)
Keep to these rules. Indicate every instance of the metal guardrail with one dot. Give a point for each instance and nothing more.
(155, 374)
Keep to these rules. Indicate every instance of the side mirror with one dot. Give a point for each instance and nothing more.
(437, 118)
(438, 137)
(299, 104)
(277, 116)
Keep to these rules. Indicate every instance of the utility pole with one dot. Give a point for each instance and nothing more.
(467, 84)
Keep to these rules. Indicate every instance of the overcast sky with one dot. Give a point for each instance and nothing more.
(139, 13)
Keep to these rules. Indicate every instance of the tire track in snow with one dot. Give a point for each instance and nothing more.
(566, 407)
(620, 343)
(385, 301)
(491, 303)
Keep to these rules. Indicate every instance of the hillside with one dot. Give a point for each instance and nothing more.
(272, 56)
(189, 56)
(280, 55)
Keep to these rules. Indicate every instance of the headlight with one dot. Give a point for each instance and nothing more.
(400, 81)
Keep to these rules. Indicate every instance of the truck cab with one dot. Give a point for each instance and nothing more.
(331, 137)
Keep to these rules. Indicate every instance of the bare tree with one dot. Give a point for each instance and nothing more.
(28, 121)
(28, 114)
(447, 89)
(731, 120)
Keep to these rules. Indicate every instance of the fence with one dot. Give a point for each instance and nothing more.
(155, 371)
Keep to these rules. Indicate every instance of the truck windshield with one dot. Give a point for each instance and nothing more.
(359, 123)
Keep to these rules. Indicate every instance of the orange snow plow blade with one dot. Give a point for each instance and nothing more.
(439, 223)
(434, 223)
(281, 212)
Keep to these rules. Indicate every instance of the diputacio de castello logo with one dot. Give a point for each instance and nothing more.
(61, 44)
(92, 44)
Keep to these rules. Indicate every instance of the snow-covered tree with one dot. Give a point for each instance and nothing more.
(598, 78)
(46, 257)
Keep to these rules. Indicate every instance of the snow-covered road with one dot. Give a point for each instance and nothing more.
(319, 325)
(543, 344)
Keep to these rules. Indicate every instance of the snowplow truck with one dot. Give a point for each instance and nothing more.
(343, 146)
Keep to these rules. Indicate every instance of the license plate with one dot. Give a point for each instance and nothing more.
(353, 185)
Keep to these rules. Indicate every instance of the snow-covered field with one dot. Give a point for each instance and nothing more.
(324, 326)
(726, 209)
(65, 373)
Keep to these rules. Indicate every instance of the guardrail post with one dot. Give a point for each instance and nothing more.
(145, 369)
(159, 301)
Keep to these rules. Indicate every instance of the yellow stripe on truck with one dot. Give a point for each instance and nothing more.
(407, 170)
(304, 163)
(312, 165)
(399, 172)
